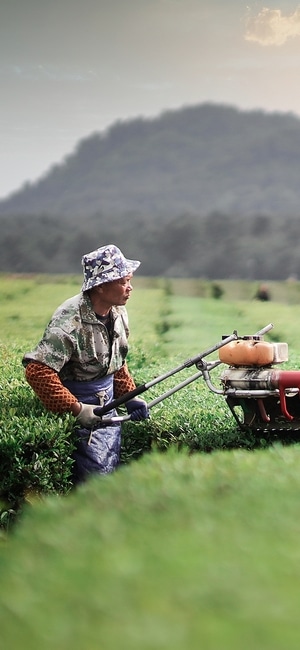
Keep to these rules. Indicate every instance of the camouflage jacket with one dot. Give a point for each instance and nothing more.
(76, 344)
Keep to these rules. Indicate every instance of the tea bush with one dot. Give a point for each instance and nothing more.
(174, 552)
(36, 446)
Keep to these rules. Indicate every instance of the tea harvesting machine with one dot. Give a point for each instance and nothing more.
(260, 395)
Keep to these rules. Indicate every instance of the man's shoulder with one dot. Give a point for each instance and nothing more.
(67, 311)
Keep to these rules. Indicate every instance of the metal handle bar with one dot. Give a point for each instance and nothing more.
(204, 370)
(264, 330)
(168, 393)
(143, 387)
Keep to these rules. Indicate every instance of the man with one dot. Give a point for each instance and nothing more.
(80, 361)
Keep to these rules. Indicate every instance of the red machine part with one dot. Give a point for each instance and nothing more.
(284, 379)
(252, 380)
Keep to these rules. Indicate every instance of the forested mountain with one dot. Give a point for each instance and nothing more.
(207, 191)
(197, 160)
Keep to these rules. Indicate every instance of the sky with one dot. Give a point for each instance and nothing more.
(71, 68)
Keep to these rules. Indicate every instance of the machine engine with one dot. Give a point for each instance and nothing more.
(259, 394)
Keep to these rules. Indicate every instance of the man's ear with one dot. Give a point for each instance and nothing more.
(97, 290)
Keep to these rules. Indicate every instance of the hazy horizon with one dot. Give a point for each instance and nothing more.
(74, 67)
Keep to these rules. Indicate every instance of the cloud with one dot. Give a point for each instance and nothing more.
(271, 27)
(41, 72)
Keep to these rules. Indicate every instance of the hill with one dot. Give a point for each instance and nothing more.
(195, 160)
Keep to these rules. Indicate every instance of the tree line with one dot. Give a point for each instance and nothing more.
(216, 246)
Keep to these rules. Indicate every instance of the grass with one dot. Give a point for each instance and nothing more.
(27, 304)
(172, 552)
(175, 551)
(192, 319)
(195, 324)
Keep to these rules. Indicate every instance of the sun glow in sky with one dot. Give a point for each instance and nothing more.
(69, 68)
(272, 27)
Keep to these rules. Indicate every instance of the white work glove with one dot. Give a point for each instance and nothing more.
(86, 417)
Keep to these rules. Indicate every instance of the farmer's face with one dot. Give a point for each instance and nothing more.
(116, 292)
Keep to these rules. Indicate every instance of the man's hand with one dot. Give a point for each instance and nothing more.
(86, 416)
(137, 409)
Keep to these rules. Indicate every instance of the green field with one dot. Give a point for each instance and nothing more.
(176, 550)
(195, 320)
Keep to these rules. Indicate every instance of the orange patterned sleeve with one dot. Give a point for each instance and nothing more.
(123, 382)
(47, 385)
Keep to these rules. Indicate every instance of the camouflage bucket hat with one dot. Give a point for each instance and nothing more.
(105, 264)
